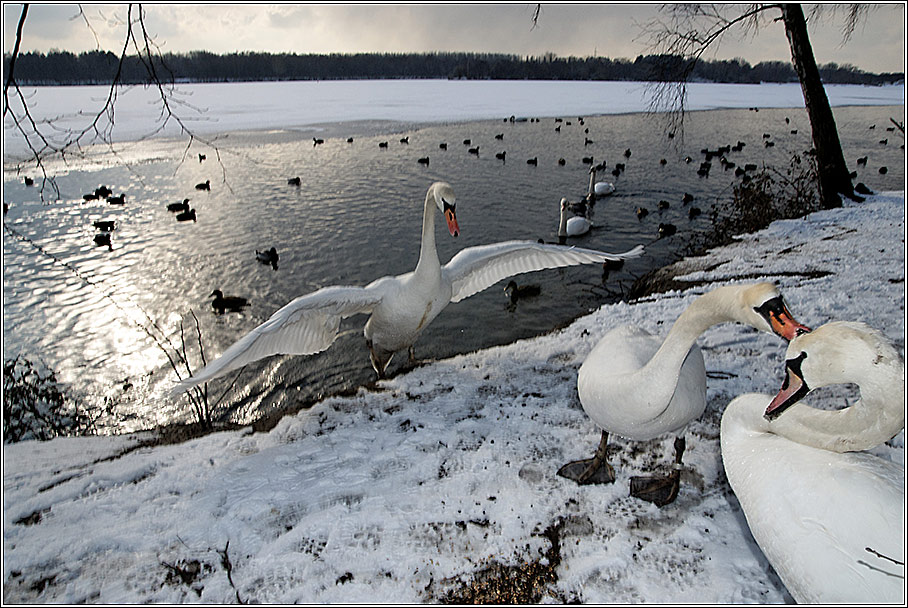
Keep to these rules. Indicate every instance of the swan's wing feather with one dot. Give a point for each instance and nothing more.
(305, 326)
(476, 268)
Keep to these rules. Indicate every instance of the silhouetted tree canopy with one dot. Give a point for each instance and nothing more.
(100, 67)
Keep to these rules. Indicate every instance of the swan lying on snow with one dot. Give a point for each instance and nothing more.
(402, 306)
(829, 518)
(640, 387)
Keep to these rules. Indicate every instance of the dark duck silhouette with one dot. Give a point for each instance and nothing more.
(205, 186)
(186, 216)
(222, 303)
(515, 292)
(267, 257)
(179, 207)
(103, 240)
(610, 266)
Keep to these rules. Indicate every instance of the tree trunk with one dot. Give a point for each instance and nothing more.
(833, 172)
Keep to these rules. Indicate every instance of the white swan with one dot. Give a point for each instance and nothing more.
(401, 306)
(572, 224)
(599, 188)
(637, 386)
(829, 518)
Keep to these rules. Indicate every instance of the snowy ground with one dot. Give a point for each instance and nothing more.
(405, 492)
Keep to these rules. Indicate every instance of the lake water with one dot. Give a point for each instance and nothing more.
(87, 310)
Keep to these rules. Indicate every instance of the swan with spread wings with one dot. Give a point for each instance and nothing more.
(401, 306)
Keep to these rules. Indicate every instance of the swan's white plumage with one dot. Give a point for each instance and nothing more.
(578, 225)
(614, 393)
(305, 326)
(814, 511)
(476, 268)
(571, 222)
(401, 306)
(638, 386)
(603, 188)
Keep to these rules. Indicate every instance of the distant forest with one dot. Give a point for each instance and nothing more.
(99, 67)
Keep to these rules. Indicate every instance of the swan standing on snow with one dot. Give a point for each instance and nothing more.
(829, 518)
(402, 306)
(637, 386)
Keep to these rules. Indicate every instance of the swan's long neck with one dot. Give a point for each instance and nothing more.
(562, 224)
(428, 255)
(660, 375)
(875, 418)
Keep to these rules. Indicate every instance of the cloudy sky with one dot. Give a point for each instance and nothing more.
(610, 30)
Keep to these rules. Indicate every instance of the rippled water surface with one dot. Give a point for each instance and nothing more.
(89, 312)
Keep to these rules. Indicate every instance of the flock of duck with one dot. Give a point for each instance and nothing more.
(828, 515)
(105, 228)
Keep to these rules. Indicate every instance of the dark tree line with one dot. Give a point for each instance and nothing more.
(99, 67)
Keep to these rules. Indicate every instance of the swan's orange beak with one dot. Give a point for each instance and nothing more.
(451, 218)
(785, 325)
(793, 389)
(781, 320)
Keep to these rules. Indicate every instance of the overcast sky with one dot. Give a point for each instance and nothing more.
(609, 30)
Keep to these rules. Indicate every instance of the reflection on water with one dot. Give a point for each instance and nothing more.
(91, 312)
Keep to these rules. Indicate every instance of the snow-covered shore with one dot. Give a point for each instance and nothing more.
(446, 474)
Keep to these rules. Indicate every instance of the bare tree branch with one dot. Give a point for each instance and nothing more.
(682, 39)
(47, 139)
(12, 61)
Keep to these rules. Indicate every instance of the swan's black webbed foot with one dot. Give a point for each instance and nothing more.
(588, 471)
(661, 489)
(592, 470)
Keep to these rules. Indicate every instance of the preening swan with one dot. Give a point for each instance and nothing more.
(400, 306)
(830, 518)
(640, 387)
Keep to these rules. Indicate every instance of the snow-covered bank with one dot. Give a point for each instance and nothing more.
(399, 494)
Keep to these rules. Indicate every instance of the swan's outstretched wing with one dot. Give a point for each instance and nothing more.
(476, 268)
(306, 325)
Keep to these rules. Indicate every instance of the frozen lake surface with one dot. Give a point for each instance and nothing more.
(317, 105)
